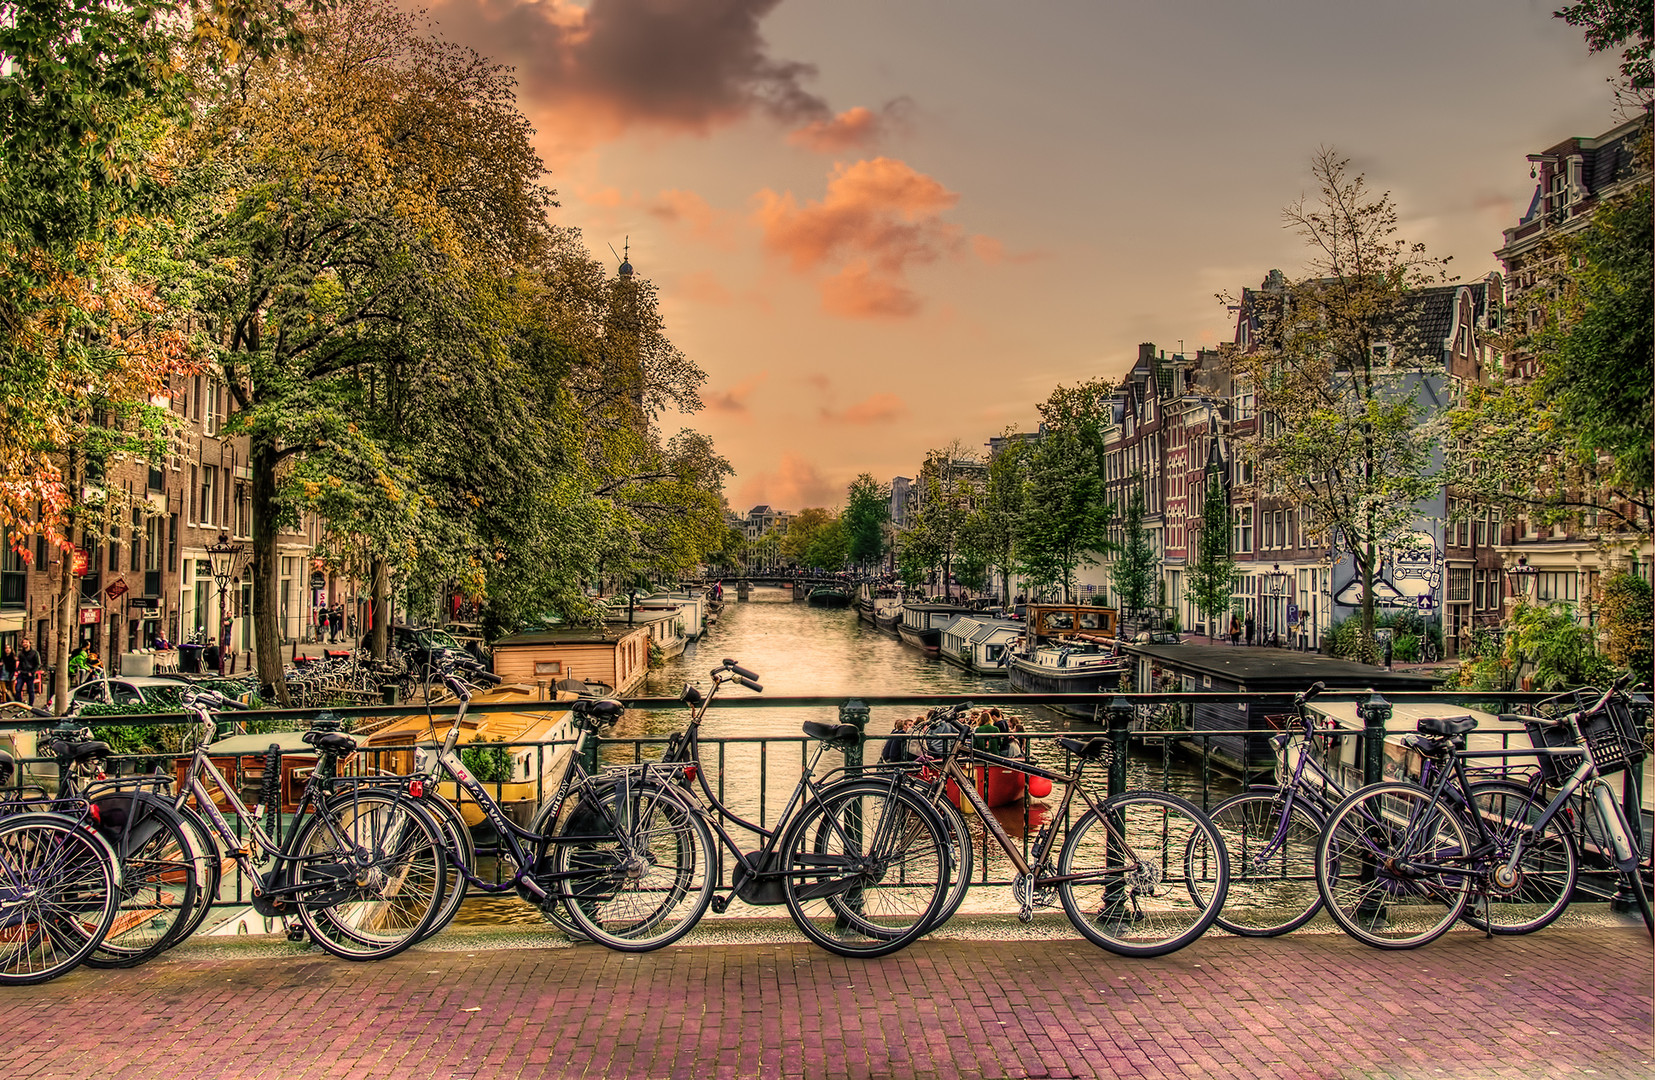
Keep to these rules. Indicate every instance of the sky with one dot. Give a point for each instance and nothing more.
(880, 226)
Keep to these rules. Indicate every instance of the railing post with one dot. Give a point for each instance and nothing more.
(1376, 713)
(855, 713)
(1120, 730)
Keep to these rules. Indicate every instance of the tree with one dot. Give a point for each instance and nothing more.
(1211, 578)
(829, 547)
(1136, 569)
(991, 530)
(867, 510)
(1628, 25)
(1627, 621)
(802, 531)
(1065, 513)
(947, 487)
(1339, 374)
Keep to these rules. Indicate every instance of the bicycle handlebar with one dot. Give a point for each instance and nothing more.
(735, 668)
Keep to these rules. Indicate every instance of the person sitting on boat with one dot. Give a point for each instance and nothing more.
(990, 735)
(1017, 745)
(896, 747)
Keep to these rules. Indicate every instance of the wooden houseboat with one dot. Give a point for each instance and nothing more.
(1067, 649)
(921, 624)
(615, 654)
(981, 643)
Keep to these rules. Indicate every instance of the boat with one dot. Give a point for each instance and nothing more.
(981, 643)
(836, 596)
(1068, 649)
(887, 611)
(922, 624)
(1002, 787)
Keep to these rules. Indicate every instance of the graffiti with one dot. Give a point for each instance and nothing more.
(1409, 576)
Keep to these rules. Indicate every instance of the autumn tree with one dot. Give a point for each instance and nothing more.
(1344, 431)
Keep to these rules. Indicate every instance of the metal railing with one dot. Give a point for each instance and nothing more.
(754, 774)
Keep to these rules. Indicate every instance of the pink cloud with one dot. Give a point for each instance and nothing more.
(704, 287)
(853, 129)
(596, 70)
(794, 485)
(877, 409)
(717, 227)
(733, 400)
(877, 218)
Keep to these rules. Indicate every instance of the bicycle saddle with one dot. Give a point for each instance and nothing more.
(838, 735)
(331, 742)
(1090, 750)
(1445, 725)
(79, 751)
(602, 710)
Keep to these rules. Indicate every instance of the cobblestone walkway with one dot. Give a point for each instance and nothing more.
(1561, 1003)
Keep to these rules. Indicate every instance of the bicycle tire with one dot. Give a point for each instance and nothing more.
(646, 882)
(1161, 898)
(158, 884)
(370, 870)
(209, 869)
(1373, 898)
(962, 858)
(867, 868)
(59, 891)
(1272, 863)
(1640, 892)
(460, 851)
(1546, 874)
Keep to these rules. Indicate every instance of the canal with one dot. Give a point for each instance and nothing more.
(799, 650)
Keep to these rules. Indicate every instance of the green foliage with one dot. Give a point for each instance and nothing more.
(1549, 647)
(1212, 575)
(1625, 24)
(1627, 616)
(488, 761)
(990, 532)
(867, 512)
(1136, 570)
(1065, 516)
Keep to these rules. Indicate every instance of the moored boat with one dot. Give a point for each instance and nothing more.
(980, 643)
(922, 623)
(829, 596)
(1069, 649)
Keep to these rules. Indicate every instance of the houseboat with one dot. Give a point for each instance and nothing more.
(834, 596)
(981, 643)
(615, 654)
(872, 599)
(1067, 649)
(921, 624)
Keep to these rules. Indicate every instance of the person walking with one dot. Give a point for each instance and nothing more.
(8, 674)
(1235, 629)
(1249, 631)
(28, 670)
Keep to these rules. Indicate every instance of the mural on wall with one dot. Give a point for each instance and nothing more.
(1409, 578)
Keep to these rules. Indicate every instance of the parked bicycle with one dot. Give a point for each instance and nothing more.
(1142, 873)
(860, 861)
(1397, 863)
(360, 866)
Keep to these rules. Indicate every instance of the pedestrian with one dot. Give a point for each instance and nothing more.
(8, 674)
(28, 670)
(1235, 629)
(1249, 631)
(1387, 654)
(336, 622)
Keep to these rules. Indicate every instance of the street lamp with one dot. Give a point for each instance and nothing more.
(1276, 580)
(223, 557)
(1522, 578)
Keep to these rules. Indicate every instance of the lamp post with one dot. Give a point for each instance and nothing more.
(1522, 578)
(1276, 580)
(223, 557)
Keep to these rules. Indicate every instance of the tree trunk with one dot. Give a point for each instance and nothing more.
(68, 621)
(381, 572)
(262, 459)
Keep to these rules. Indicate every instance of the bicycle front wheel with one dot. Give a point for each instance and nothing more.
(460, 851)
(1531, 895)
(867, 869)
(59, 891)
(209, 869)
(1272, 849)
(640, 876)
(1392, 866)
(962, 858)
(370, 874)
(1143, 875)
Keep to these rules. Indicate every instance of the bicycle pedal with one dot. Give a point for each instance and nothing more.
(720, 903)
(295, 933)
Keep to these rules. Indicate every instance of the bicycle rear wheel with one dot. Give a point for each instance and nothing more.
(867, 868)
(1544, 877)
(209, 870)
(1143, 875)
(962, 858)
(644, 877)
(59, 891)
(158, 893)
(1272, 853)
(461, 851)
(372, 874)
(1392, 866)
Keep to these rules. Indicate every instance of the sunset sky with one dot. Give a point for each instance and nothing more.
(882, 225)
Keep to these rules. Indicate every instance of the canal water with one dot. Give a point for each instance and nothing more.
(799, 650)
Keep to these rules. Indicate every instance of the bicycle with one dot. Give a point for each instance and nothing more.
(860, 862)
(361, 866)
(59, 888)
(1271, 831)
(1142, 873)
(1396, 866)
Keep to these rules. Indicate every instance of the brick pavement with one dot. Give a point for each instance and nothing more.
(1561, 1003)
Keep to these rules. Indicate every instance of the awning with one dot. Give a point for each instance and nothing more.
(12, 620)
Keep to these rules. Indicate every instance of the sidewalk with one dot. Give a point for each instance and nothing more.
(1569, 1001)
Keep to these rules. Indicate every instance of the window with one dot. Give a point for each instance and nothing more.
(137, 543)
(1382, 353)
(1246, 403)
(1242, 535)
(209, 489)
(209, 420)
(1459, 584)
(1564, 586)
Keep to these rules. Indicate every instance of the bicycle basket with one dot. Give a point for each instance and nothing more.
(1611, 737)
